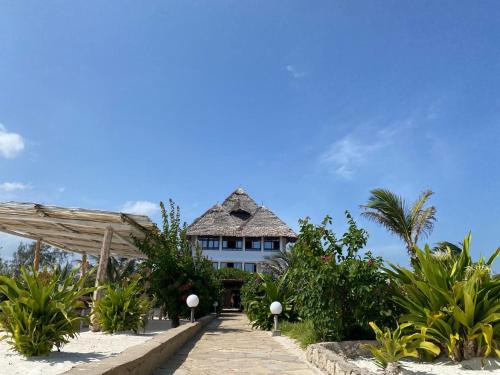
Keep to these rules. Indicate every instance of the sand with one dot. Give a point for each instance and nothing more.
(488, 366)
(88, 346)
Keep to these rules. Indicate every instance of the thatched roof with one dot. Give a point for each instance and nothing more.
(239, 216)
(75, 229)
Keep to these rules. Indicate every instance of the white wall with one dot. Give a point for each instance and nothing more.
(241, 256)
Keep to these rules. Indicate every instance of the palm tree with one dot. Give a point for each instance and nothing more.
(278, 264)
(445, 246)
(120, 269)
(407, 222)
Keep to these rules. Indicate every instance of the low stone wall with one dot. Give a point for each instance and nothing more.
(333, 357)
(143, 359)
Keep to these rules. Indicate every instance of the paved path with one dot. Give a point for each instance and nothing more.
(230, 346)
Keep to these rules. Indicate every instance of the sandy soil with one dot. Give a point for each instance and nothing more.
(87, 347)
(440, 367)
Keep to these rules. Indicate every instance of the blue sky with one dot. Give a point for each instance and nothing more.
(308, 105)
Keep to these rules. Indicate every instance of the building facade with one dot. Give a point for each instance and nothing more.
(239, 233)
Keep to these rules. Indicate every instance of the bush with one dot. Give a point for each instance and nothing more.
(122, 307)
(233, 273)
(455, 300)
(302, 331)
(40, 312)
(264, 291)
(337, 290)
(174, 271)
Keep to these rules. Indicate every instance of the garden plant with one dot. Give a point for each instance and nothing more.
(328, 285)
(456, 300)
(267, 289)
(40, 309)
(174, 271)
(123, 307)
(395, 345)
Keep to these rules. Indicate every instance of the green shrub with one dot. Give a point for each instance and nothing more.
(122, 308)
(40, 311)
(174, 271)
(266, 291)
(393, 345)
(455, 300)
(302, 331)
(337, 290)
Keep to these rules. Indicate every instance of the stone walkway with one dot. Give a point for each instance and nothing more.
(229, 346)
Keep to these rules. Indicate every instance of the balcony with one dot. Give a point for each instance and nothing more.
(232, 243)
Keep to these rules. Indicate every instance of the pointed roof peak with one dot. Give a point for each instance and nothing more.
(240, 215)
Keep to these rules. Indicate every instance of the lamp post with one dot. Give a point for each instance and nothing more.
(192, 301)
(276, 309)
(215, 307)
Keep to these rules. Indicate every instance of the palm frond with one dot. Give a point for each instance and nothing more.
(391, 211)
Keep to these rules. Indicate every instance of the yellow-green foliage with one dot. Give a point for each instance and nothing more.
(455, 300)
(122, 308)
(393, 345)
(40, 310)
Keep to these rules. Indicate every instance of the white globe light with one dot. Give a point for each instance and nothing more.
(192, 300)
(216, 304)
(276, 308)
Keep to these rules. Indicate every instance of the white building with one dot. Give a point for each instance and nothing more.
(239, 233)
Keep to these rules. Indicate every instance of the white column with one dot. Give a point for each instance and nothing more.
(262, 244)
(220, 244)
(243, 245)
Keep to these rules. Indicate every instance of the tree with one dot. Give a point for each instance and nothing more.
(120, 269)
(175, 272)
(4, 267)
(279, 263)
(336, 288)
(445, 246)
(25, 255)
(407, 222)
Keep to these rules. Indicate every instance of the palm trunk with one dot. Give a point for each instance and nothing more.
(411, 252)
(393, 368)
(470, 349)
(456, 355)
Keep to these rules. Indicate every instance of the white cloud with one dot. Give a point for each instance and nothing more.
(61, 189)
(11, 144)
(357, 148)
(9, 187)
(140, 207)
(344, 155)
(294, 72)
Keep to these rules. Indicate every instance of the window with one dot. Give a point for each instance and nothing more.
(230, 265)
(209, 243)
(241, 214)
(232, 243)
(250, 267)
(252, 243)
(272, 244)
(215, 265)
